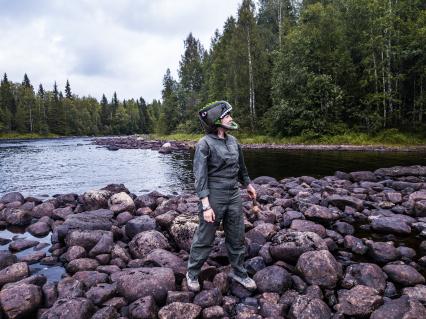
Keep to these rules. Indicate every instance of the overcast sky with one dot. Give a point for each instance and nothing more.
(103, 46)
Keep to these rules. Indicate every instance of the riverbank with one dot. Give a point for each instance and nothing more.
(352, 244)
(25, 136)
(186, 142)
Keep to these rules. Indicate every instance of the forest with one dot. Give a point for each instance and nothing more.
(289, 68)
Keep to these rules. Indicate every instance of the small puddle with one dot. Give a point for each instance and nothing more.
(52, 273)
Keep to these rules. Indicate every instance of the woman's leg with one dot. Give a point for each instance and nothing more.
(233, 226)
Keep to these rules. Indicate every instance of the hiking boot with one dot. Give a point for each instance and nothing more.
(247, 282)
(193, 284)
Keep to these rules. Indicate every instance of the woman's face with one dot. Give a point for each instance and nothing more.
(226, 120)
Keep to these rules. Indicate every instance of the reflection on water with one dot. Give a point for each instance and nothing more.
(57, 166)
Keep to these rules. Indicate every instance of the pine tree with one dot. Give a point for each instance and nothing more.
(68, 93)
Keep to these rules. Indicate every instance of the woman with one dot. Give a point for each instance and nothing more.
(218, 167)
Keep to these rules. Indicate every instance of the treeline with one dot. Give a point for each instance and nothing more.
(288, 67)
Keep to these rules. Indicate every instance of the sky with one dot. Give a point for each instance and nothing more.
(102, 46)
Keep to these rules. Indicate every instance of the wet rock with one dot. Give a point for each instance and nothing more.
(320, 213)
(44, 209)
(33, 258)
(288, 246)
(70, 288)
(85, 238)
(319, 268)
(341, 201)
(390, 225)
(20, 300)
(141, 282)
(121, 202)
(82, 264)
(100, 293)
(362, 176)
(401, 308)
(91, 220)
(358, 301)
(12, 197)
(22, 244)
(164, 258)
(143, 243)
(404, 274)
(139, 224)
(90, 278)
(71, 308)
(39, 229)
(208, 298)
(365, 274)
(62, 213)
(272, 279)
(183, 229)
(305, 307)
(7, 259)
(145, 201)
(13, 273)
(382, 252)
(308, 226)
(179, 310)
(106, 313)
(50, 294)
(16, 217)
(103, 246)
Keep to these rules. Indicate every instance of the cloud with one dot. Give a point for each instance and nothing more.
(103, 46)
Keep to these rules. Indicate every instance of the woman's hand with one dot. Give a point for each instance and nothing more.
(251, 191)
(209, 216)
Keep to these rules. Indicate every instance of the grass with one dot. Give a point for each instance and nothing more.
(7, 136)
(389, 137)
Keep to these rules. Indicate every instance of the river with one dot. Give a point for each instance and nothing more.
(47, 167)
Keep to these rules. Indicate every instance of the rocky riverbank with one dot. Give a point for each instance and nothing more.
(136, 142)
(343, 246)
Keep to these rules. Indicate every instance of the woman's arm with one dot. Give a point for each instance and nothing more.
(243, 174)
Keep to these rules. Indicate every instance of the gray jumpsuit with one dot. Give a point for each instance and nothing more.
(218, 167)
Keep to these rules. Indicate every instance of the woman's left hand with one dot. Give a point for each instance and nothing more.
(251, 191)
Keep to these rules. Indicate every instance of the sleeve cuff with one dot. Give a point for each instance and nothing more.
(246, 181)
(203, 193)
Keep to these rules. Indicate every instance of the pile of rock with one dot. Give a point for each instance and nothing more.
(336, 247)
(137, 142)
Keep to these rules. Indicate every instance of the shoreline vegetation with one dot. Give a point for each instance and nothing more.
(389, 140)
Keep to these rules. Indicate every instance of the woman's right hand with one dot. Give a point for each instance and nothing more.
(209, 216)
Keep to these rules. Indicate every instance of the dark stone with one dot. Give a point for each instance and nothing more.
(208, 298)
(164, 258)
(70, 288)
(355, 245)
(143, 308)
(365, 274)
(341, 201)
(143, 243)
(404, 274)
(39, 229)
(307, 307)
(272, 279)
(359, 301)
(13, 273)
(179, 310)
(82, 264)
(90, 278)
(400, 308)
(12, 197)
(16, 217)
(179, 296)
(308, 226)
(7, 259)
(319, 268)
(139, 224)
(85, 238)
(100, 293)
(183, 229)
(91, 220)
(390, 225)
(20, 300)
(106, 313)
(382, 252)
(70, 308)
(50, 294)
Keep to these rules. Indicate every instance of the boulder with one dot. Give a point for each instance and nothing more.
(272, 279)
(145, 242)
(103, 246)
(179, 310)
(401, 308)
(143, 308)
(22, 244)
(306, 307)
(363, 176)
(12, 197)
(108, 312)
(404, 275)
(288, 246)
(319, 268)
(121, 202)
(417, 292)
(355, 245)
(20, 300)
(139, 224)
(16, 216)
(183, 229)
(7, 259)
(163, 258)
(308, 226)
(70, 287)
(90, 278)
(320, 213)
(341, 201)
(75, 252)
(82, 264)
(62, 213)
(70, 308)
(141, 282)
(390, 225)
(382, 252)
(85, 238)
(39, 229)
(260, 180)
(43, 209)
(358, 301)
(366, 274)
(208, 298)
(13, 273)
(92, 220)
(100, 293)
(96, 199)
